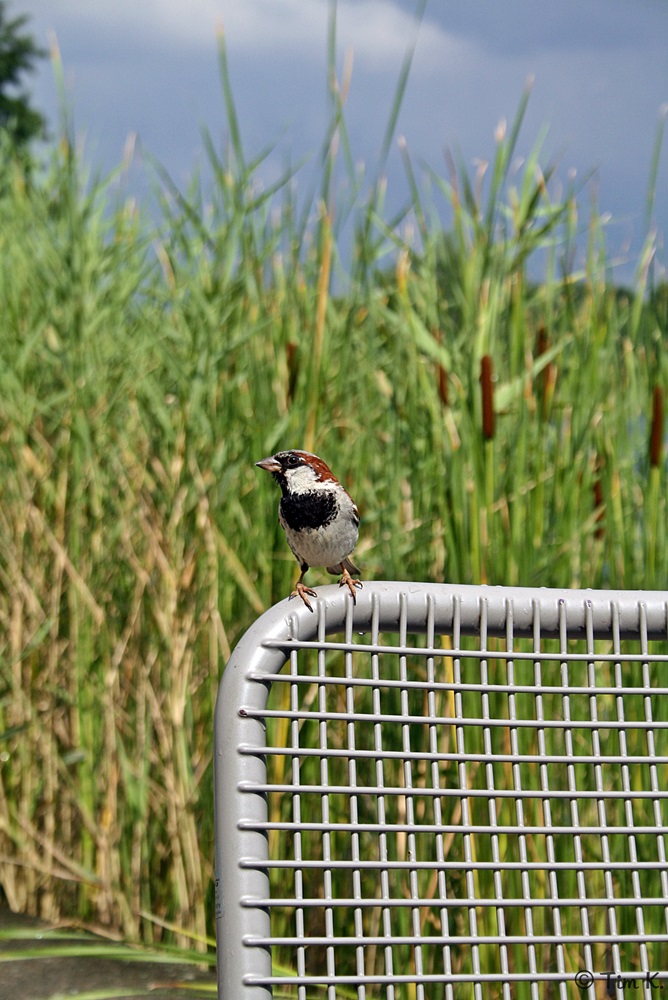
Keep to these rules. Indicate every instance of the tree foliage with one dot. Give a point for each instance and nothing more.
(19, 121)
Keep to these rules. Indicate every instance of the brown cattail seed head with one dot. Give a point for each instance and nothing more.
(486, 382)
(656, 435)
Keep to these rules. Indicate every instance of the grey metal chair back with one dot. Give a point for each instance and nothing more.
(449, 791)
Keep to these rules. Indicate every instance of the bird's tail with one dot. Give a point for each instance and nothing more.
(344, 564)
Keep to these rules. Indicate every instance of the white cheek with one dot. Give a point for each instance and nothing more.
(301, 478)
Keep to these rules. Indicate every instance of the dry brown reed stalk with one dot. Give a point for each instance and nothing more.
(107, 752)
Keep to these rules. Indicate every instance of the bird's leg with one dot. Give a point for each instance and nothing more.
(301, 590)
(347, 580)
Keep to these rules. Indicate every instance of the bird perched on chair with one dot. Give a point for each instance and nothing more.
(319, 516)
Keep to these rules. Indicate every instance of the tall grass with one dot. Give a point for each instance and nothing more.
(144, 370)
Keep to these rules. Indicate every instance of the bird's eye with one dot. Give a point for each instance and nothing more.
(292, 461)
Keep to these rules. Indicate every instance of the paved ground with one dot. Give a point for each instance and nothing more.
(61, 976)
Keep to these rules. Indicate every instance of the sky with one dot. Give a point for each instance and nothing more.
(149, 68)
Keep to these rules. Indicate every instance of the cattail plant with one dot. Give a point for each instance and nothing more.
(656, 432)
(488, 428)
(487, 388)
(549, 374)
(293, 368)
(441, 373)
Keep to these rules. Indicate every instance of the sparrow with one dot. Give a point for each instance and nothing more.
(319, 517)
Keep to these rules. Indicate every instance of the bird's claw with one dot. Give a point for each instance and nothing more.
(347, 581)
(301, 590)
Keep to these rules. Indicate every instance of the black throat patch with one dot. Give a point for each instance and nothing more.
(313, 509)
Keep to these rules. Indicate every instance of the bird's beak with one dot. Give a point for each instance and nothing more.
(269, 464)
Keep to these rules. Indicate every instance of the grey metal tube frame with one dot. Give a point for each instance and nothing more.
(264, 650)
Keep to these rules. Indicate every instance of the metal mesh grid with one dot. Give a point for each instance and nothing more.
(455, 792)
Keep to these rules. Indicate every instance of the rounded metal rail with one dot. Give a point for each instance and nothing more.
(448, 786)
